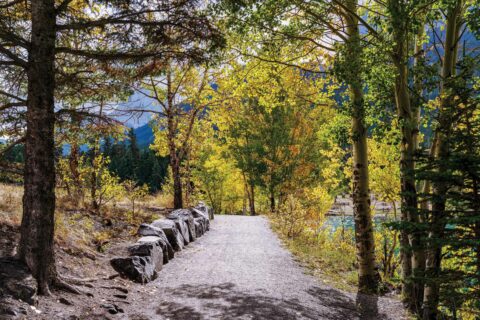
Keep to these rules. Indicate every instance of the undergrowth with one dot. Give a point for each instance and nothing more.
(330, 253)
(326, 256)
(78, 227)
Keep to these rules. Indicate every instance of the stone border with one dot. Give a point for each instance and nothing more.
(159, 241)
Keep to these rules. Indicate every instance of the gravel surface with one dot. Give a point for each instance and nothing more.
(240, 270)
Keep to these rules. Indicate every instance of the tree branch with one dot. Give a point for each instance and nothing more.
(11, 146)
(19, 61)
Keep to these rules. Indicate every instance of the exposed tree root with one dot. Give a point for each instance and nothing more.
(62, 285)
(121, 289)
(85, 281)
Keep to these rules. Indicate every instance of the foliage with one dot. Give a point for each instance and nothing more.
(220, 179)
(129, 162)
(134, 192)
(460, 223)
(272, 128)
(268, 125)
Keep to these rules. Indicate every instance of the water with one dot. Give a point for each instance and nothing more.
(335, 222)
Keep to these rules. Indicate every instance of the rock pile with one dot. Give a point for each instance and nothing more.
(159, 241)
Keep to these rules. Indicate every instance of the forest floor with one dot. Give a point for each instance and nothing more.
(238, 270)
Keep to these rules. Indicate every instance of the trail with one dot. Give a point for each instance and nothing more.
(239, 270)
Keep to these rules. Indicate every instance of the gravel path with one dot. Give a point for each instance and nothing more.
(239, 270)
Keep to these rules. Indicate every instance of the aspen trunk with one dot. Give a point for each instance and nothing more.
(442, 149)
(418, 264)
(173, 152)
(410, 241)
(412, 251)
(177, 183)
(188, 187)
(36, 246)
(367, 274)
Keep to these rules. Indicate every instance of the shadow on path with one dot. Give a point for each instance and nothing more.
(365, 307)
(225, 301)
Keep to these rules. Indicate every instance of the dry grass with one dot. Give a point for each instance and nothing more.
(160, 199)
(328, 256)
(11, 204)
(79, 228)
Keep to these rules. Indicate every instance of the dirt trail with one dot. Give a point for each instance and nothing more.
(239, 270)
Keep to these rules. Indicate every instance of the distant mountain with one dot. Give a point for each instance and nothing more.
(144, 135)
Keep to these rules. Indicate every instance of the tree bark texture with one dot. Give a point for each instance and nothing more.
(36, 246)
(365, 245)
(411, 247)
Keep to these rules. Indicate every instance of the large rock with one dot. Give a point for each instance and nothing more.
(187, 216)
(183, 228)
(199, 229)
(16, 281)
(150, 246)
(137, 268)
(148, 230)
(204, 222)
(208, 212)
(170, 229)
(200, 215)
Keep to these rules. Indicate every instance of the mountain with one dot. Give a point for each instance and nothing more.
(144, 135)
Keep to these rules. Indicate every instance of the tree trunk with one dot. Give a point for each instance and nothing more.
(246, 194)
(73, 165)
(96, 182)
(272, 201)
(244, 200)
(411, 247)
(442, 149)
(174, 157)
(367, 274)
(251, 200)
(73, 160)
(188, 187)
(177, 182)
(36, 246)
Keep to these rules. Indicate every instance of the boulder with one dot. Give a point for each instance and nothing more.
(197, 213)
(187, 216)
(183, 228)
(170, 229)
(148, 230)
(199, 226)
(202, 216)
(150, 246)
(16, 281)
(140, 269)
(208, 212)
